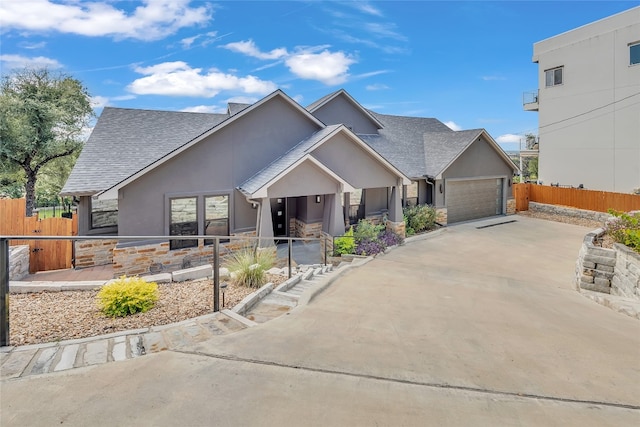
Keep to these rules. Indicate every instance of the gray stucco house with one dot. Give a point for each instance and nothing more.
(273, 168)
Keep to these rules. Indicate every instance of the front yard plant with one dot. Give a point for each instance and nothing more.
(366, 238)
(625, 228)
(127, 295)
(419, 218)
(249, 266)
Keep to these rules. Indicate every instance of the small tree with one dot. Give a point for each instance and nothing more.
(41, 119)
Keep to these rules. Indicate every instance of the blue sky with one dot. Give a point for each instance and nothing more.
(466, 63)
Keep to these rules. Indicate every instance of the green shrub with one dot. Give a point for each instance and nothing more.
(344, 244)
(127, 295)
(419, 218)
(625, 228)
(249, 266)
(367, 230)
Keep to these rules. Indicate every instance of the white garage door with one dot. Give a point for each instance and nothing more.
(473, 199)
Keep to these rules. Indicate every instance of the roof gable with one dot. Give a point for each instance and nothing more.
(326, 101)
(125, 140)
(111, 191)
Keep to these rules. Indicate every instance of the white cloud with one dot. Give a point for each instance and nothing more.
(18, 61)
(27, 45)
(179, 79)
(508, 138)
(203, 39)
(377, 86)
(249, 48)
(365, 7)
(205, 109)
(98, 102)
(453, 125)
(151, 20)
(330, 68)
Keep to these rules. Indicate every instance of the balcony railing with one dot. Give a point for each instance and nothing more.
(530, 147)
(530, 101)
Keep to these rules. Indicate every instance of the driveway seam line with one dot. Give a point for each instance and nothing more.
(416, 383)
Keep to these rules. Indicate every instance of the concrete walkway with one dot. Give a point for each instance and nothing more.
(474, 326)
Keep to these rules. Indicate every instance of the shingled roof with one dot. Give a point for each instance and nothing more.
(401, 141)
(125, 141)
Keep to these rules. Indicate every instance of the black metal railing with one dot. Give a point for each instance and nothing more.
(145, 240)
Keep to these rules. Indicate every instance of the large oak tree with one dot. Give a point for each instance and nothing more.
(42, 116)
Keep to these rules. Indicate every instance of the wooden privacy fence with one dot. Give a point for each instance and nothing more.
(44, 254)
(592, 200)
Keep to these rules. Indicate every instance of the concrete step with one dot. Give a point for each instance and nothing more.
(56, 357)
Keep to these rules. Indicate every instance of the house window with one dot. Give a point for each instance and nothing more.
(634, 54)
(356, 206)
(104, 213)
(410, 195)
(216, 217)
(553, 77)
(183, 221)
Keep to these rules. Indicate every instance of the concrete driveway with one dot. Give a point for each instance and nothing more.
(474, 326)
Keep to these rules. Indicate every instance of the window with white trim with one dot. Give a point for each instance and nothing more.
(554, 76)
(634, 53)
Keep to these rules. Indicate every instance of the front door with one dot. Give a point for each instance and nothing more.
(279, 216)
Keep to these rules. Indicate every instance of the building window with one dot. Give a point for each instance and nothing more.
(634, 54)
(183, 221)
(216, 217)
(410, 195)
(553, 77)
(356, 206)
(104, 213)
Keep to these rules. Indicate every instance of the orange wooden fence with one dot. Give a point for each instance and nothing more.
(44, 254)
(592, 200)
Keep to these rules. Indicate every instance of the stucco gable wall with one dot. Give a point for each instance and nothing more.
(216, 164)
(341, 111)
(305, 180)
(350, 161)
(479, 160)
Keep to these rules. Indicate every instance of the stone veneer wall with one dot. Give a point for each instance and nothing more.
(397, 227)
(511, 206)
(300, 228)
(18, 262)
(568, 211)
(157, 257)
(626, 278)
(441, 216)
(595, 265)
(91, 253)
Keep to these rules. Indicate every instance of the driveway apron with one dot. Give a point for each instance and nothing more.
(490, 308)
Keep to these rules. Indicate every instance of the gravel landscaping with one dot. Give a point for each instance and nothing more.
(43, 317)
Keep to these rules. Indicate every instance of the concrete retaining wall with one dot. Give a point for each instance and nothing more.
(18, 262)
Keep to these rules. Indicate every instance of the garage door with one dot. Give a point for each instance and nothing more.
(473, 199)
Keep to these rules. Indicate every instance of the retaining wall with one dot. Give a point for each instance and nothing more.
(613, 271)
(568, 211)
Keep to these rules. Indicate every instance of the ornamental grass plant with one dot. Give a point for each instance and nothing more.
(249, 266)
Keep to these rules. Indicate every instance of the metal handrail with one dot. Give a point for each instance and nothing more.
(4, 263)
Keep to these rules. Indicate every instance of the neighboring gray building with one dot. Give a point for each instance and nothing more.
(274, 168)
(589, 105)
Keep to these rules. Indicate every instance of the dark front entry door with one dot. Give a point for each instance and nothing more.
(279, 216)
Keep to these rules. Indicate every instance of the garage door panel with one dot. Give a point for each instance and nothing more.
(473, 199)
